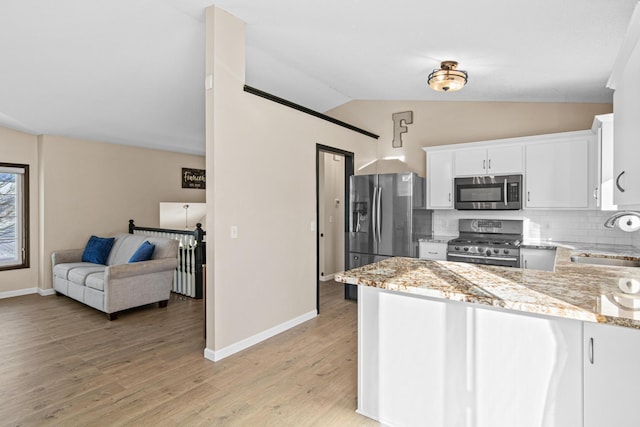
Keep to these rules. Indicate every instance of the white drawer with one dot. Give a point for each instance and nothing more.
(433, 251)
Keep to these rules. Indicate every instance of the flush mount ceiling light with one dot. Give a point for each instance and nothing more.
(447, 78)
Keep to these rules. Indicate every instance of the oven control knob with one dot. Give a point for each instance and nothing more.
(457, 248)
(496, 251)
(506, 251)
(488, 252)
(466, 248)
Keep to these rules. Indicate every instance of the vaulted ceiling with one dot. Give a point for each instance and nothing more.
(132, 71)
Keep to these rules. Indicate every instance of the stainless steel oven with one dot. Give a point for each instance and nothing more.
(487, 241)
(499, 192)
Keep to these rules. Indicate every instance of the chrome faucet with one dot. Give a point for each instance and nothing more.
(611, 221)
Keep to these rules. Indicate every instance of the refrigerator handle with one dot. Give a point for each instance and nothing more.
(379, 212)
(373, 212)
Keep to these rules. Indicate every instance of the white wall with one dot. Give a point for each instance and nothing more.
(260, 161)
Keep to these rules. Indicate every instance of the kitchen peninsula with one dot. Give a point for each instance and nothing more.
(447, 344)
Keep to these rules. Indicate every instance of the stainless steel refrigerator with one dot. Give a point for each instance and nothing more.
(387, 216)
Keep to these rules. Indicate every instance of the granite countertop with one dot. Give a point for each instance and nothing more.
(584, 292)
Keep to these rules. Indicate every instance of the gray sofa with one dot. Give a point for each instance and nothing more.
(118, 285)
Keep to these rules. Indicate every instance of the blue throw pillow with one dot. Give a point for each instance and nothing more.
(143, 253)
(97, 249)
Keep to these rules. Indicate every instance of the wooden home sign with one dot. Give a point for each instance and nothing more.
(193, 178)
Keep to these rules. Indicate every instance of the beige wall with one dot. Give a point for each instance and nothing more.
(439, 123)
(18, 147)
(91, 187)
(261, 157)
(78, 188)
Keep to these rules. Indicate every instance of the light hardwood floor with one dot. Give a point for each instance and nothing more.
(65, 364)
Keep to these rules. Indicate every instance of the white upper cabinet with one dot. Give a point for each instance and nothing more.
(626, 105)
(557, 173)
(558, 169)
(439, 179)
(489, 161)
(604, 187)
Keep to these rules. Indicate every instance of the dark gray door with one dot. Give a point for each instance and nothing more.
(394, 219)
(361, 214)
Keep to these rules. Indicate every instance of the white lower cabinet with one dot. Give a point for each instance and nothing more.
(527, 370)
(435, 251)
(425, 362)
(538, 259)
(611, 375)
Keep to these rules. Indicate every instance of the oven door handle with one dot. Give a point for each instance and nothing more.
(497, 258)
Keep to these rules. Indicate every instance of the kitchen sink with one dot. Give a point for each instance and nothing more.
(598, 260)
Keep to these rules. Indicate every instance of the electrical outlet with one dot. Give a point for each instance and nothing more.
(234, 231)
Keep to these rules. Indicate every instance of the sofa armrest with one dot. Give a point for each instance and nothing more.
(67, 255)
(121, 271)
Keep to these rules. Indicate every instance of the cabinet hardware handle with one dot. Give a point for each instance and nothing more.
(433, 253)
(449, 196)
(618, 182)
(595, 193)
(489, 163)
(484, 164)
(526, 264)
(528, 196)
(591, 350)
(506, 201)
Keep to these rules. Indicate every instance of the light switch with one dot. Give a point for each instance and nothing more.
(234, 231)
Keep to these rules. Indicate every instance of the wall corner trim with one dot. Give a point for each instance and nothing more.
(218, 355)
(46, 292)
(309, 111)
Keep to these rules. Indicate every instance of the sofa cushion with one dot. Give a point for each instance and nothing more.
(126, 244)
(97, 249)
(95, 281)
(79, 275)
(143, 253)
(62, 270)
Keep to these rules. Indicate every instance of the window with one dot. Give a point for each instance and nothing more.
(14, 216)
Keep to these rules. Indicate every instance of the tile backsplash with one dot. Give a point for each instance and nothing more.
(550, 225)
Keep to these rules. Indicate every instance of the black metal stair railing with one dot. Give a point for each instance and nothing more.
(188, 278)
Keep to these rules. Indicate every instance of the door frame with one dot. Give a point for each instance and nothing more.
(349, 170)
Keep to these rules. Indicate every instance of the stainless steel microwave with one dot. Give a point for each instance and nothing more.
(488, 192)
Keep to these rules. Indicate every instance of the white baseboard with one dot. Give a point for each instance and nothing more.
(255, 339)
(327, 278)
(18, 293)
(27, 291)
